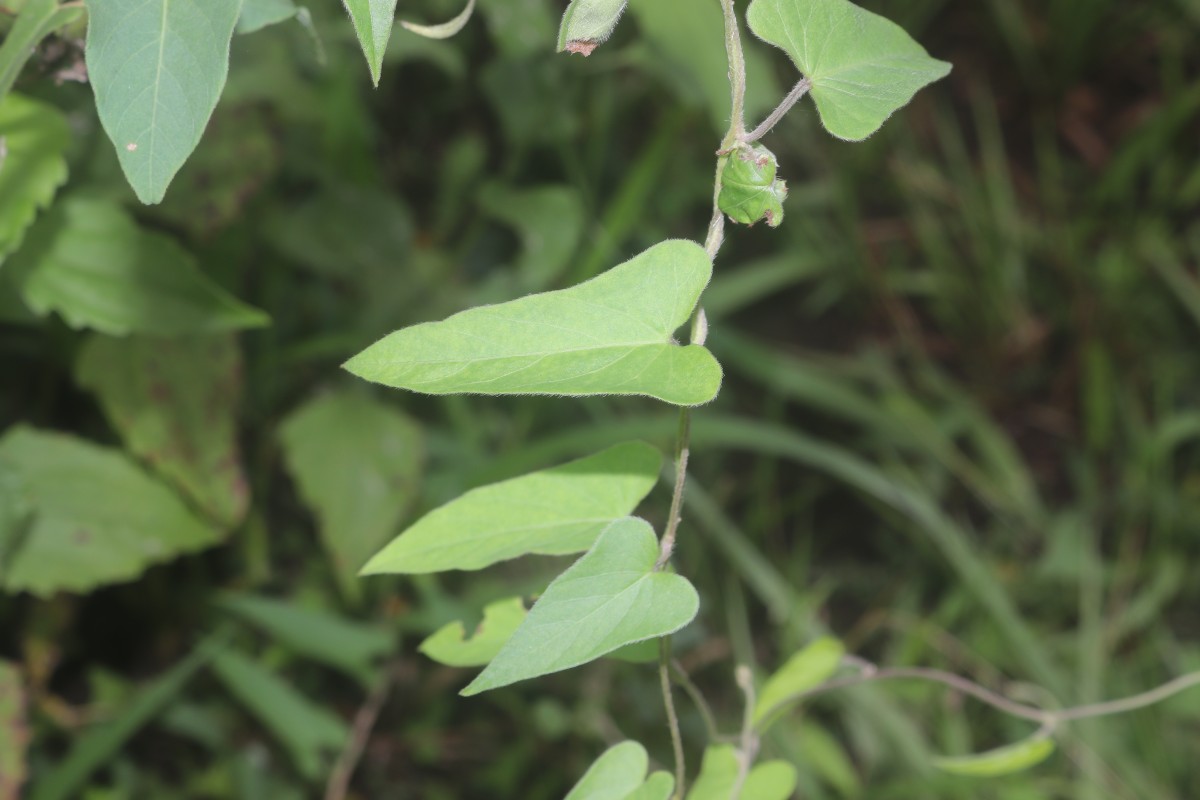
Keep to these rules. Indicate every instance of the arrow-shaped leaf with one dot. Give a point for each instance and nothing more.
(552, 512)
(157, 68)
(609, 335)
(609, 598)
(862, 66)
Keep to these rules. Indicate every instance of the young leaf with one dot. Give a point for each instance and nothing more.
(373, 21)
(588, 24)
(618, 771)
(609, 335)
(174, 401)
(14, 731)
(1001, 761)
(157, 68)
(97, 518)
(552, 512)
(307, 731)
(862, 66)
(259, 14)
(659, 786)
(446, 29)
(357, 463)
(340, 642)
(87, 260)
(609, 598)
(809, 668)
(771, 780)
(34, 165)
(35, 20)
(449, 645)
(749, 189)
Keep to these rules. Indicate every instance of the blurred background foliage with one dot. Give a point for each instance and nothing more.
(960, 426)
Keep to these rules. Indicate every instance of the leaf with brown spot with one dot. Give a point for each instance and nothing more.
(173, 401)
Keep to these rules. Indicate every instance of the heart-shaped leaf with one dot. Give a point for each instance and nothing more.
(609, 598)
(551, 512)
(96, 517)
(807, 669)
(862, 67)
(1001, 761)
(771, 780)
(33, 166)
(373, 21)
(609, 335)
(157, 68)
(617, 775)
(449, 645)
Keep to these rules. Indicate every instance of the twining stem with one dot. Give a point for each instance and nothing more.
(712, 244)
(869, 673)
(664, 676)
(799, 90)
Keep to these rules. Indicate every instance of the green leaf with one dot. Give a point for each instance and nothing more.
(14, 731)
(609, 335)
(35, 20)
(862, 66)
(33, 164)
(307, 731)
(1001, 761)
(588, 23)
(449, 645)
(659, 786)
(174, 402)
(87, 260)
(618, 771)
(99, 744)
(550, 222)
(806, 670)
(373, 21)
(771, 780)
(97, 518)
(749, 189)
(337, 641)
(551, 512)
(259, 14)
(609, 598)
(357, 463)
(157, 68)
(446, 29)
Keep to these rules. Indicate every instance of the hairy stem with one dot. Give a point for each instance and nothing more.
(799, 90)
(664, 666)
(699, 332)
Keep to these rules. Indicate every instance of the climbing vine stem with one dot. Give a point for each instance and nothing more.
(699, 332)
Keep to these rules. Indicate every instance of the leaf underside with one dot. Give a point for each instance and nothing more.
(610, 335)
(551, 512)
(157, 68)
